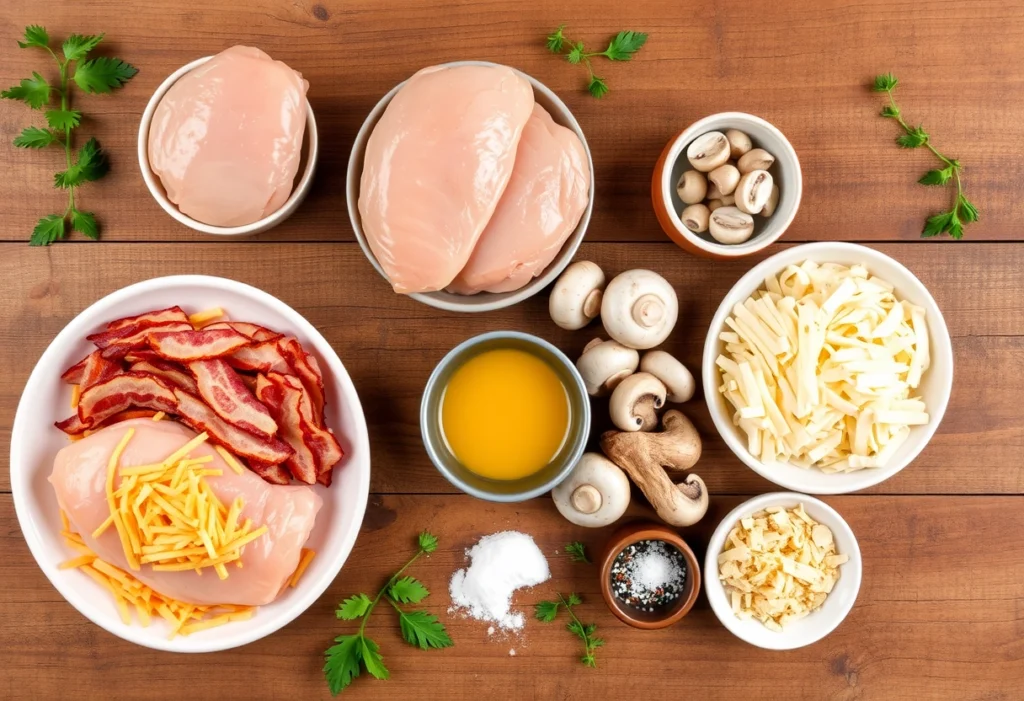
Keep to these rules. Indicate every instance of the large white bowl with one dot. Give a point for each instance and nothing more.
(935, 388)
(483, 301)
(817, 624)
(35, 442)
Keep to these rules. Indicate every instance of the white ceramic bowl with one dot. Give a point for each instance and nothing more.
(935, 388)
(310, 151)
(483, 301)
(35, 442)
(673, 163)
(815, 625)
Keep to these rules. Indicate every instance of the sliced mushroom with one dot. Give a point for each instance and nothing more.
(639, 309)
(692, 187)
(729, 225)
(678, 380)
(708, 151)
(753, 191)
(755, 159)
(739, 142)
(604, 364)
(576, 297)
(635, 402)
(772, 203)
(725, 178)
(695, 218)
(596, 492)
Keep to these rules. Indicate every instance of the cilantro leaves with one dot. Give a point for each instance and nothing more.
(547, 611)
(97, 75)
(621, 48)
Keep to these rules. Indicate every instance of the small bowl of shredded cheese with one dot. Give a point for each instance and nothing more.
(828, 368)
(782, 570)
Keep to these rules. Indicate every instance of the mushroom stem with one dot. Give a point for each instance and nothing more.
(592, 304)
(586, 499)
(648, 310)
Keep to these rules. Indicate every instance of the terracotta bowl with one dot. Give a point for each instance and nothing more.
(634, 533)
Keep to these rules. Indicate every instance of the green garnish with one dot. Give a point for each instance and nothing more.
(621, 48)
(96, 75)
(345, 659)
(547, 611)
(962, 211)
(578, 551)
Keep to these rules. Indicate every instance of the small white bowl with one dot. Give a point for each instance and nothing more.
(35, 442)
(482, 301)
(310, 151)
(673, 163)
(935, 388)
(817, 624)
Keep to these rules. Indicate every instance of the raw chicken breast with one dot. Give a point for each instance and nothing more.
(543, 203)
(226, 138)
(436, 165)
(79, 479)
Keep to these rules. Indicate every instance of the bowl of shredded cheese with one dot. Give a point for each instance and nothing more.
(827, 368)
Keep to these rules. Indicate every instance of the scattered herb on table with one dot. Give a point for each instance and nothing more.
(578, 551)
(547, 611)
(962, 211)
(93, 75)
(418, 628)
(621, 48)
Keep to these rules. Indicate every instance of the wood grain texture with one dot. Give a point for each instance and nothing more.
(939, 616)
(390, 344)
(803, 66)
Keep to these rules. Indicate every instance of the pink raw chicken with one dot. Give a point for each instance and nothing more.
(226, 138)
(541, 207)
(436, 165)
(79, 478)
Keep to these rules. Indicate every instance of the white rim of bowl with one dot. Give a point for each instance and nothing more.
(299, 189)
(683, 140)
(19, 479)
(433, 299)
(754, 279)
(711, 582)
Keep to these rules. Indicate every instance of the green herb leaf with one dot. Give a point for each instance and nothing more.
(103, 74)
(342, 662)
(49, 229)
(576, 628)
(624, 45)
(546, 610)
(60, 120)
(408, 590)
(597, 87)
(427, 542)
(573, 600)
(890, 112)
(372, 659)
(578, 551)
(575, 54)
(90, 164)
(884, 83)
(35, 35)
(936, 224)
(423, 630)
(85, 224)
(34, 91)
(937, 177)
(914, 138)
(76, 46)
(956, 229)
(556, 40)
(968, 212)
(353, 607)
(34, 137)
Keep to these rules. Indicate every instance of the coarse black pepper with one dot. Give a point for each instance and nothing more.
(648, 575)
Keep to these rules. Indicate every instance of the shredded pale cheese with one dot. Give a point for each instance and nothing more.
(76, 395)
(158, 416)
(307, 557)
(204, 317)
(820, 367)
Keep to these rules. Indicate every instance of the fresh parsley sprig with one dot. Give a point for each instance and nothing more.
(345, 660)
(547, 611)
(962, 211)
(577, 551)
(93, 75)
(621, 48)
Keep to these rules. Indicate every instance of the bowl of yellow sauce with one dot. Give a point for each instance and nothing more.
(505, 416)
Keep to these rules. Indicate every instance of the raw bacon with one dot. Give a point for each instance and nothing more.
(254, 331)
(203, 344)
(222, 388)
(90, 370)
(283, 400)
(196, 414)
(166, 370)
(122, 392)
(134, 335)
(260, 357)
(320, 441)
(158, 316)
(275, 474)
(298, 359)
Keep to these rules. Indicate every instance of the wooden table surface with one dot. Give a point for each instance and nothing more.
(941, 611)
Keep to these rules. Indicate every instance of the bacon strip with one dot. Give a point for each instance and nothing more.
(185, 346)
(298, 359)
(157, 316)
(134, 335)
(260, 357)
(256, 332)
(275, 474)
(284, 401)
(166, 370)
(222, 388)
(119, 393)
(90, 370)
(196, 414)
(321, 441)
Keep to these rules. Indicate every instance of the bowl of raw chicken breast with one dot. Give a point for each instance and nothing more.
(470, 186)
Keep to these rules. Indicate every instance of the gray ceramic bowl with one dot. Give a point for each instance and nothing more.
(484, 301)
(499, 490)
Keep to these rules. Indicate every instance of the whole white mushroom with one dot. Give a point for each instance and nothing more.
(604, 364)
(596, 492)
(639, 309)
(676, 377)
(576, 297)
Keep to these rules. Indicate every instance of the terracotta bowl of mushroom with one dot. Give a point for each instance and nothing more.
(727, 186)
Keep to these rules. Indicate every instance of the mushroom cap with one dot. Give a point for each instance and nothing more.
(596, 492)
(639, 309)
(576, 297)
(604, 364)
(635, 402)
(678, 380)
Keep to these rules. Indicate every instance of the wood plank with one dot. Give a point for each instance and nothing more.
(390, 343)
(802, 66)
(939, 616)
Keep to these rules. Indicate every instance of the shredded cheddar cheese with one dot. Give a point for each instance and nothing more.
(307, 557)
(206, 316)
(76, 394)
(158, 416)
